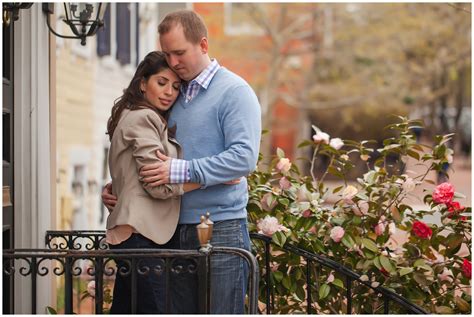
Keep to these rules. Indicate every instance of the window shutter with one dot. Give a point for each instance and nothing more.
(123, 33)
(103, 35)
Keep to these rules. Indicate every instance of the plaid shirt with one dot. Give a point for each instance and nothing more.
(179, 169)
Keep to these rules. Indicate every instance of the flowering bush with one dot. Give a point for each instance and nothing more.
(355, 223)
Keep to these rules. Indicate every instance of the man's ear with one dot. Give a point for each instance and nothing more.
(204, 44)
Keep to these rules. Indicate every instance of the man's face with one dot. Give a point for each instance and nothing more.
(185, 58)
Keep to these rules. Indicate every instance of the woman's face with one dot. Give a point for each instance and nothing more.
(161, 89)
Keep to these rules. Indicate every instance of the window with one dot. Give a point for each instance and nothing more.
(119, 38)
(237, 20)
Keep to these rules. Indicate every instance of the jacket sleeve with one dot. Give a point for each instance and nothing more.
(240, 120)
(144, 134)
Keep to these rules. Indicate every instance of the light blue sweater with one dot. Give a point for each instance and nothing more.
(219, 131)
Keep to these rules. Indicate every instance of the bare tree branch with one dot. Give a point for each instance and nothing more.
(459, 8)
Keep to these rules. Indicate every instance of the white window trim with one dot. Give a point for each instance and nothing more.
(242, 29)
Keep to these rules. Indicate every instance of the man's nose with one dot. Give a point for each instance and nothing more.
(173, 61)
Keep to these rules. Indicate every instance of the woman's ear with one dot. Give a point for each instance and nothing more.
(142, 86)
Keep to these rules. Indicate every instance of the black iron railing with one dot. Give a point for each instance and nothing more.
(312, 260)
(68, 247)
(84, 253)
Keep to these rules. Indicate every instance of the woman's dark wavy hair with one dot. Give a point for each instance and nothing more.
(133, 98)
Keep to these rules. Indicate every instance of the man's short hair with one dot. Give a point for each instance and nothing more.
(193, 25)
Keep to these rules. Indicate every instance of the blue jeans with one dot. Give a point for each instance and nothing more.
(229, 273)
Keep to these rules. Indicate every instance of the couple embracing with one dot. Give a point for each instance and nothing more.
(184, 135)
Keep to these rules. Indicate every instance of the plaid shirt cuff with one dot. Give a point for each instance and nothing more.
(179, 171)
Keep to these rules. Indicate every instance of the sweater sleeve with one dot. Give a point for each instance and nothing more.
(240, 120)
(144, 135)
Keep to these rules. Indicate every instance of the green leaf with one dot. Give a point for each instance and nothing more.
(279, 238)
(337, 189)
(278, 275)
(386, 264)
(51, 311)
(377, 263)
(305, 143)
(370, 245)
(280, 153)
(324, 291)
(347, 240)
(287, 282)
(338, 283)
(405, 271)
(419, 263)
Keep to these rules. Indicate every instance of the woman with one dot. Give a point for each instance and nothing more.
(143, 217)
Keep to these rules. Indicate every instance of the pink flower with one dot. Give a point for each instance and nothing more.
(337, 233)
(269, 225)
(283, 165)
(284, 183)
(361, 209)
(421, 230)
(380, 227)
(364, 157)
(274, 266)
(264, 202)
(321, 137)
(446, 275)
(330, 278)
(466, 268)
(443, 193)
(91, 288)
(336, 143)
(306, 214)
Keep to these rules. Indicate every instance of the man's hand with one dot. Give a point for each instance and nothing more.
(108, 199)
(157, 173)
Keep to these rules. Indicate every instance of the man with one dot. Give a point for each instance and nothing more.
(218, 123)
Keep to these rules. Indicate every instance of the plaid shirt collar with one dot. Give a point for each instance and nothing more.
(203, 80)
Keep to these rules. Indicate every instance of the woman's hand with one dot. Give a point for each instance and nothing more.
(234, 181)
(108, 199)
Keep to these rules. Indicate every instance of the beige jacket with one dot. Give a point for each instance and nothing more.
(153, 212)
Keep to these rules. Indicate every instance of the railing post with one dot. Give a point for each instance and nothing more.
(33, 285)
(68, 285)
(134, 283)
(308, 285)
(99, 285)
(349, 294)
(204, 305)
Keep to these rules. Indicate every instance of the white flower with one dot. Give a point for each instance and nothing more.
(269, 225)
(364, 278)
(375, 284)
(409, 185)
(392, 229)
(91, 288)
(349, 193)
(321, 137)
(449, 156)
(345, 157)
(336, 143)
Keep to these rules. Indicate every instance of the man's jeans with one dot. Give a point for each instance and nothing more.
(229, 273)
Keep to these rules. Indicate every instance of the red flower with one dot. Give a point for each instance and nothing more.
(466, 268)
(422, 230)
(443, 193)
(454, 208)
(384, 272)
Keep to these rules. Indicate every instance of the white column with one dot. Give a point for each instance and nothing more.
(32, 153)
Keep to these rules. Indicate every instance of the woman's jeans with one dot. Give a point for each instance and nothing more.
(150, 287)
(229, 273)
